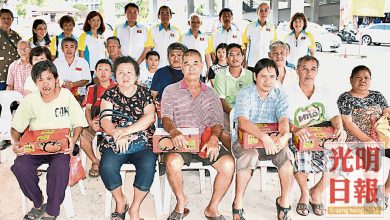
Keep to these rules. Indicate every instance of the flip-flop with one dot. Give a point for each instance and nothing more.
(35, 213)
(318, 209)
(302, 208)
(239, 212)
(122, 215)
(177, 215)
(93, 172)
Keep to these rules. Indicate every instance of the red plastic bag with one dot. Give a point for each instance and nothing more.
(76, 172)
(206, 135)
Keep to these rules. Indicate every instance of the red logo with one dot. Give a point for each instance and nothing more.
(78, 69)
(139, 31)
(234, 36)
(172, 34)
(202, 39)
(303, 38)
(268, 29)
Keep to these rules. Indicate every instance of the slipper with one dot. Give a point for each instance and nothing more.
(49, 218)
(303, 209)
(35, 213)
(178, 216)
(280, 209)
(318, 209)
(94, 172)
(121, 216)
(216, 218)
(239, 212)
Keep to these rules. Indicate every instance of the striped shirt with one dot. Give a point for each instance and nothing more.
(17, 74)
(186, 112)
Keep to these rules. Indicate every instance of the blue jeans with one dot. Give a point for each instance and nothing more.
(144, 162)
(3, 85)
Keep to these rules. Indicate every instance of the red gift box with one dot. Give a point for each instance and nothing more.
(250, 141)
(33, 142)
(318, 137)
(191, 135)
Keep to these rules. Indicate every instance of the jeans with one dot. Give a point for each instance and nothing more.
(144, 162)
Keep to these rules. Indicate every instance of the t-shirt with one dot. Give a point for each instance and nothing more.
(130, 106)
(62, 112)
(216, 69)
(163, 77)
(304, 112)
(94, 48)
(88, 99)
(146, 78)
(227, 86)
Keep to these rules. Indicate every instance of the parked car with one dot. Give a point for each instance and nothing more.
(325, 41)
(375, 33)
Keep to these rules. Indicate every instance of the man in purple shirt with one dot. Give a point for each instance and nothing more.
(190, 103)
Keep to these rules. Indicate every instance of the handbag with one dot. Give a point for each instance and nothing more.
(138, 141)
(76, 172)
(382, 127)
(95, 110)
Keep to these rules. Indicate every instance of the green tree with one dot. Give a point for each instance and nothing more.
(143, 6)
(80, 7)
(21, 10)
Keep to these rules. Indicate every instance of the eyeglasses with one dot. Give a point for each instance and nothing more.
(263, 11)
(27, 49)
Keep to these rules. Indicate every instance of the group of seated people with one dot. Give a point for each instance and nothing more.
(270, 93)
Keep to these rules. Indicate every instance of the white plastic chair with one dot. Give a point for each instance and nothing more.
(202, 179)
(68, 203)
(155, 190)
(7, 97)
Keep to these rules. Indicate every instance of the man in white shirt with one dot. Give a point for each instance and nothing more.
(133, 35)
(72, 69)
(162, 35)
(258, 35)
(195, 39)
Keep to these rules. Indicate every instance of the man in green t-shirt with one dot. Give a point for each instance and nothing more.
(228, 83)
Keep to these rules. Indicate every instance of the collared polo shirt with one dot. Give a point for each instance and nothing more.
(257, 110)
(233, 35)
(8, 53)
(88, 99)
(94, 48)
(299, 47)
(203, 111)
(200, 44)
(258, 39)
(133, 39)
(78, 70)
(227, 86)
(17, 75)
(55, 45)
(159, 39)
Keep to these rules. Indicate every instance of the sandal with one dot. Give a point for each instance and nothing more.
(94, 171)
(239, 212)
(318, 209)
(177, 215)
(215, 218)
(35, 213)
(303, 209)
(285, 211)
(120, 216)
(49, 218)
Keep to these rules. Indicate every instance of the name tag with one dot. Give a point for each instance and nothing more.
(303, 38)
(79, 69)
(268, 29)
(139, 31)
(172, 34)
(234, 36)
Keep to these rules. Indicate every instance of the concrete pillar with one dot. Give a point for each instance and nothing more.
(297, 6)
(288, 3)
(236, 7)
(315, 10)
(275, 11)
(154, 10)
(190, 7)
(211, 8)
(108, 10)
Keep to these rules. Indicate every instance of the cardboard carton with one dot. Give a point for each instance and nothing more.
(318, 137)
(191, 134)
(36, 142)
(250, 141)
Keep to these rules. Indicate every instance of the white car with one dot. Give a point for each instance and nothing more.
(376, 34)
(325, 41)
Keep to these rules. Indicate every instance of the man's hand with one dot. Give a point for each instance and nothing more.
(302, 134)
(178, 139)
(18, 150)
(95, 124)
(341, 134)
(211, 148)
(68, 84)
(72, 142)
(122, 144)
(269, 145)
(282, 140)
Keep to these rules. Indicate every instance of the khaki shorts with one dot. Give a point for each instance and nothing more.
(88, 134)
(250, 158)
